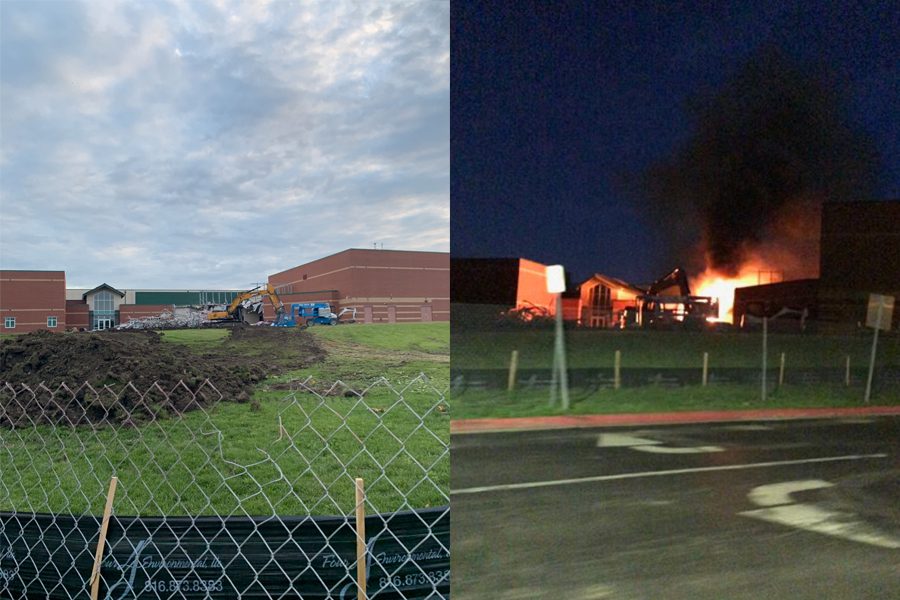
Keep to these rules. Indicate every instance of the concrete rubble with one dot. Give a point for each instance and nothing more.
(168, 320)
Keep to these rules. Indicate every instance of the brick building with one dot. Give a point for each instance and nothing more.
(501, 282)
(384, 286)
(104, 306)
(601, 298)
(387, 286)
(31, 300)
(859, 255)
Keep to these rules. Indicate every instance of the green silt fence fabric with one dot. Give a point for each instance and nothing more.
(51, 557)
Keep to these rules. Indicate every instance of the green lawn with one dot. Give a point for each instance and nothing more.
(197, 338)
(528, 403)
(179, 466)
(663, 349)
(424, 337)
(359, 354)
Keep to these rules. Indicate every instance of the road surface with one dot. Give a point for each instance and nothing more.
(777, 509)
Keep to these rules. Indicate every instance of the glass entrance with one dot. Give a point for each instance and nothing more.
(104, 313)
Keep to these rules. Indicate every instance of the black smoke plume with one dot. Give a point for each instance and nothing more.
(773, 138)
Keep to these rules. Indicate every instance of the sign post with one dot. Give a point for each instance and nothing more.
(556, 284)
(765, 352)
(879, 315)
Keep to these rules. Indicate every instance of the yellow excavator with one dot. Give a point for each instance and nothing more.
(247, 307)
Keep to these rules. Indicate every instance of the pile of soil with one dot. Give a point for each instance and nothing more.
(164, 377)
(283, 349)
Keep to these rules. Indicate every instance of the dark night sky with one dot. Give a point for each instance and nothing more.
(555, 104)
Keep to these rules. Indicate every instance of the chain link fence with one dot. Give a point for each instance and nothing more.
(308, 491)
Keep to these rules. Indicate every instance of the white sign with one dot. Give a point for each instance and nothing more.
(556, 279)
(886, 306)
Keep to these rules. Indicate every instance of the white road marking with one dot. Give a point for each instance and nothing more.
(780, 493)
(656, 502)
(539, 484)
(810, 516)
(624, 440)
(596, 592)
(669, 450)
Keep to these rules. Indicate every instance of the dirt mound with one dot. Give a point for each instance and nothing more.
(279, 347)
(140, 358)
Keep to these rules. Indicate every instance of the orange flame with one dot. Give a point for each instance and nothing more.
(715, 284)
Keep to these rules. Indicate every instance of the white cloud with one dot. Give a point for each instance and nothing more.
(204, 144)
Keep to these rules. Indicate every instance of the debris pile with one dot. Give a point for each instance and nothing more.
(168, 320)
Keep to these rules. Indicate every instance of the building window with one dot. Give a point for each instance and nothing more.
(600, 298)
(104, 314)
(9, 322)
(103, 301)
(51, 322)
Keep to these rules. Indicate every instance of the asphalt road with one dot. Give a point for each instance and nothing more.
(786, 509)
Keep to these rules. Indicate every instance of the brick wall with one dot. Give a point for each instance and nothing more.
(31, 297)
(389, 285)
(78, 314)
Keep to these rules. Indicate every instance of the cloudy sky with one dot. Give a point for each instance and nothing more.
(189, 144)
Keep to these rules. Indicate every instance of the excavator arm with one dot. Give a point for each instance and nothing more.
(233, 312)
(676, 279)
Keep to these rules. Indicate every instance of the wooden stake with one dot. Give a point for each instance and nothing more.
(617, 373)
(513, 368)
(360, 539)
(705, 368)
(847, 372)
(781, 372)
(101, 542)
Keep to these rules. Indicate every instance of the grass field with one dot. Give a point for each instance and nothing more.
(359, 354)
(529, 403)
(227, 459)
(662, 349)
(196, 338)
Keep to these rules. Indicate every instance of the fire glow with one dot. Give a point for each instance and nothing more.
(718, 285)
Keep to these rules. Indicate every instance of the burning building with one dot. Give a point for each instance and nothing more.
(859, 254)
(768, 152)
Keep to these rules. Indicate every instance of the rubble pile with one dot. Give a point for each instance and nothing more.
(167, 320)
